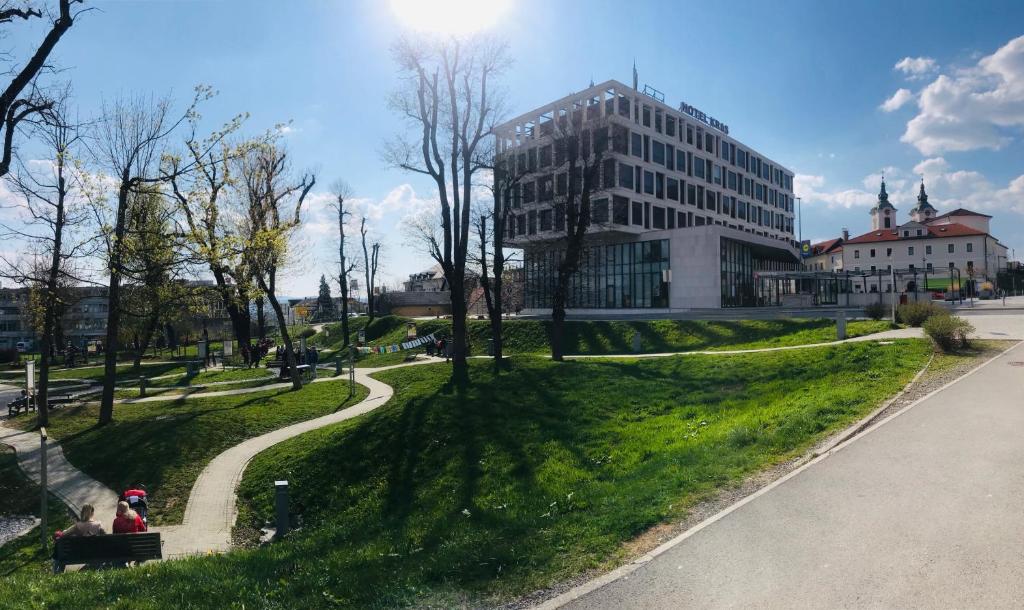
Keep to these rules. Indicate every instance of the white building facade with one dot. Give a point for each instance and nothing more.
(956, 246)
(685, 217)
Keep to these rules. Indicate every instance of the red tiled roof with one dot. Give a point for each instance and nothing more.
(827, 246)
(950, 230)
(961, 212)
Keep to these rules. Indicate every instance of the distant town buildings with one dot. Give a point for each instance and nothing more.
(956, 246)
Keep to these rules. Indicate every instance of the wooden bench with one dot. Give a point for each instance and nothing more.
(275, 364)
(304, 371)
(114, 549)
(20, 404)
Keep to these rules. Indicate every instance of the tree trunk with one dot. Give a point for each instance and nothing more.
(147, 337)
(460, 366)
(114, 304)
(289, 355)
(261, 319)
(558, 302)
(344, 307)
(241, 319)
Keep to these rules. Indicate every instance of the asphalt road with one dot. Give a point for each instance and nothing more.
(924, 511)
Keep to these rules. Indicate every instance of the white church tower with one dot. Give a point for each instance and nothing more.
(883, 215)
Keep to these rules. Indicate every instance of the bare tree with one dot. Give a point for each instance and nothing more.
(450, 102)
(581, 148)
(22, 99)
(492, 276)
(53, 216)
(371, 257)
(342, 192)
(270, 188)
(129, 147)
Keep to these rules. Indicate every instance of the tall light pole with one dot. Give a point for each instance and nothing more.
(800, 219)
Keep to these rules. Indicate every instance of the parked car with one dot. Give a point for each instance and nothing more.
(22, 346)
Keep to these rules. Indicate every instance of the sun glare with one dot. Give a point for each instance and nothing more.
(456, 17)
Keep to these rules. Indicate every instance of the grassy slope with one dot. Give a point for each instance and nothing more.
(596, 337)
(513, 483)
(166, 444)
(19, 496)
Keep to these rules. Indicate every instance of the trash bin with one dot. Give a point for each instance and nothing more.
(490, 347)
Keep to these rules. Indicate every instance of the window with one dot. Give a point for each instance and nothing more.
(910, 251)
(929, 266)
(888, 222)
(673, 189)
(599, 211)
(638, 145)
(649, 182)
(608, 174)
(872, 253)
(856, 254)
(625, 175)
(620, 139)
(531, 157)
(659, 185)
(521, 224)
(951, 265)
(545, 156)
(670, 156)
(681, 160)
(544, 189)
(906, 233)
(659, 217)
(670, 126)
(545, 220)
(647, 116)
(659, 152)
(970, 248)
(919, 232)
(562, 184)
(698, 167)
(888, 251)
(951, 248)
(927, 249)
(638, 213)
(531, 222)
(689, 135)
(657, 120)
(620, 210)
(528, 192)
(691, 194)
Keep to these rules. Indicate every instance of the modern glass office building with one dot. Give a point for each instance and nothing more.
(684, 216)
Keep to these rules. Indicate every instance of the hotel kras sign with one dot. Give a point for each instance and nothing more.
(703, 118)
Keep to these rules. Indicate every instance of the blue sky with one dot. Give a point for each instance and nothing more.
(802, 82)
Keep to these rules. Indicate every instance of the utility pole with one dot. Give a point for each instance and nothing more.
(42, 487)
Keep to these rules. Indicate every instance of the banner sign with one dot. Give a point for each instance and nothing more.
(397, 347)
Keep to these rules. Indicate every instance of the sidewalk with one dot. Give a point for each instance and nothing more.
(920, 511)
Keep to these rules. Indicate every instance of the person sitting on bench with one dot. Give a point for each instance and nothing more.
(127, 520)
(86, 525)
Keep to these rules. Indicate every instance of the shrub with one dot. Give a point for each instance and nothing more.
(307, 333)
(914, 314)
(9, 355)
(948, 332)
(875, 311)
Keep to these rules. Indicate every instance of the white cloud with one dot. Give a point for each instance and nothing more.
(947, 188)
(897, 101)
(916, 67)
(811, 190)
(972, 108)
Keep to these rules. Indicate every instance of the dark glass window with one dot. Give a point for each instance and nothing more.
(620, 210)
(638, 145)
(638, 213)
(545, 220)
(659, 185)
(673, 189)
(625, 175)
(649, 182)
(599, 211)
(659, 152)
(659, 217)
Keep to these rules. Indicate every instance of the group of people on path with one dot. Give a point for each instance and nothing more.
(254, 352)
(131, 517)
(311, 356)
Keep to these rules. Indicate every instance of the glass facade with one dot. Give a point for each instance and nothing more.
(610, 276)
(739, 266)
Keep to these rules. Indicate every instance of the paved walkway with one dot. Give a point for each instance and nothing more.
(922, 510)
(65, 481)
(212, 510)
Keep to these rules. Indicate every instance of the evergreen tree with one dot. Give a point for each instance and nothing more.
(324, 302)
